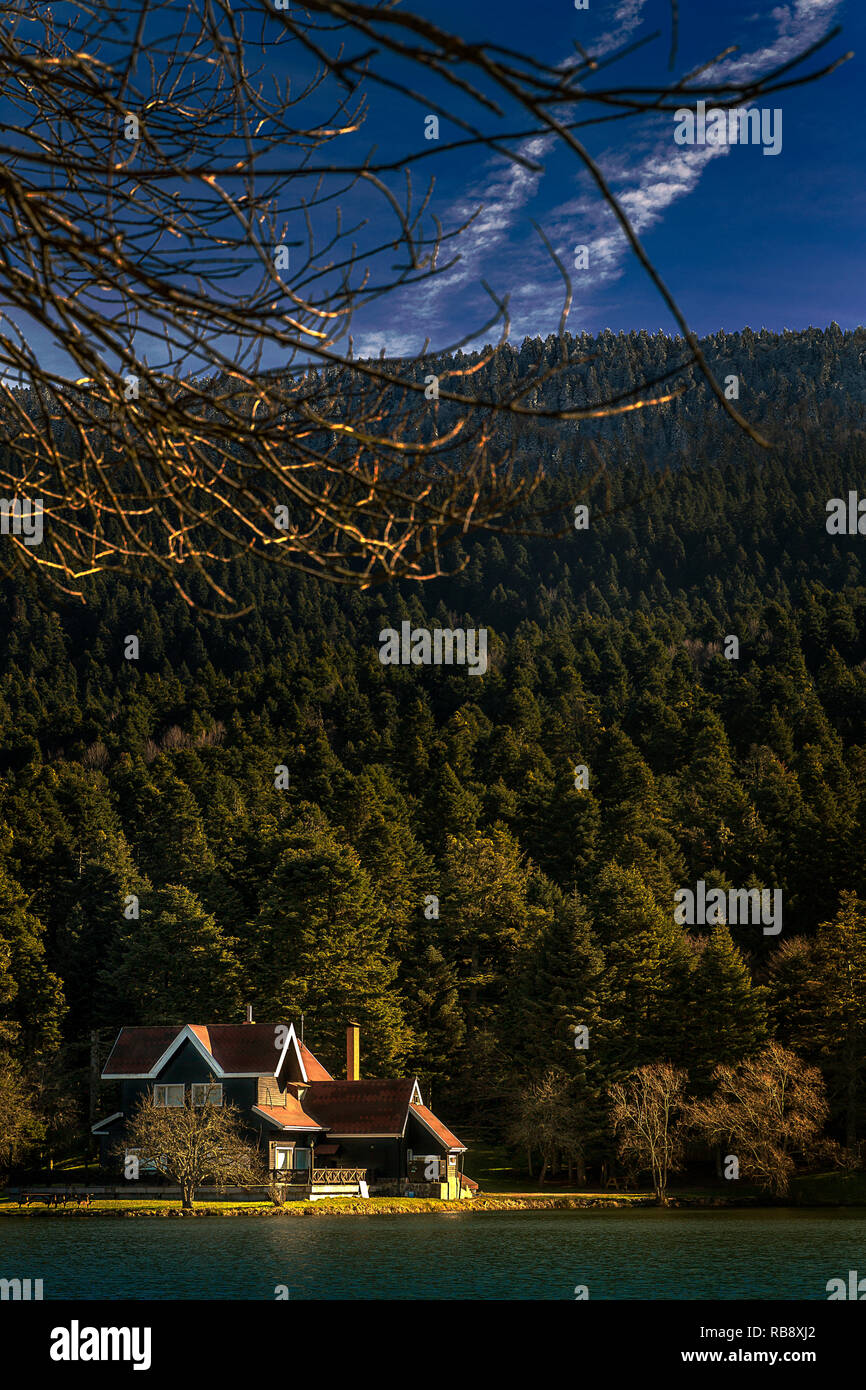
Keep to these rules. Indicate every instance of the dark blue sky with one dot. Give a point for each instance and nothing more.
(741, 238)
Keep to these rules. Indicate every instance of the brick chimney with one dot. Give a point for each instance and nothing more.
(249, 1017)
(353, 1052)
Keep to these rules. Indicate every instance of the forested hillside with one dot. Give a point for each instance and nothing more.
(155, 777)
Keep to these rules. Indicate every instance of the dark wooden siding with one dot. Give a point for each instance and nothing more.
(188, 1066)
(420, 1140)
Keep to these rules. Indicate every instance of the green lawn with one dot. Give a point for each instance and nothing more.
(492, 1166)
(154, 1206)
(158, 1206)
(836, 1188)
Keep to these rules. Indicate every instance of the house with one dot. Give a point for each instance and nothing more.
(321, 1135)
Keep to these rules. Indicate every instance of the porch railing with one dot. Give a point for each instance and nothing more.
(331, 1177)
(339, 1175)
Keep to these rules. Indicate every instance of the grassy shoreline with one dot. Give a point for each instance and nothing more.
(814, 1193)
(342, 1206)
(503, 1189)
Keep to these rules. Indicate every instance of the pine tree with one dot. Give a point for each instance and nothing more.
(322, 949)
(493, 908)
(647, 967)
(728, 1011)
(176, 848)
(560, 1019)
(34, 1004)
(561, 988)
(839, 1018)
(172, 964)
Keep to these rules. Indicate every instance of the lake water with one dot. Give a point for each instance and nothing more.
(617, 1254)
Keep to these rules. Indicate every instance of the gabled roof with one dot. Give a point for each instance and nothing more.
(230, 1049)
(436, 1127)
(137, 1049)
(368, 1108)
(375, 1108)
(315, 1070)
(202, 1032)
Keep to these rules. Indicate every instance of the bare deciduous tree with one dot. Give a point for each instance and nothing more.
(647, 1116)
(193, 1144)
(548, 1121)
(767, 1108)
(186, 237)
(20, 1126)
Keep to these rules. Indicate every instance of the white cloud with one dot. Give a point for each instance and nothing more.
(496, 203)
(646, 188)
(797, 26)
(394, 344)
(627, 16)
(646, 184)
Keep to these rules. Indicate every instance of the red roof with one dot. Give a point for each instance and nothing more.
(138, 1049)
(367, 1107)
(236, 1048)
(314, 1069)
(292, 1115)
(448, 1139)
(360, 1107)
(245, 1046)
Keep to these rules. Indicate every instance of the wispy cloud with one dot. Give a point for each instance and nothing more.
(797, 26)
(494, 204)
(652, 176)
(392, 343)
(626, 18)
(665, 173)
(509, 190)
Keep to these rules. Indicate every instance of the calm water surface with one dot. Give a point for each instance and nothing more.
(521, 1255)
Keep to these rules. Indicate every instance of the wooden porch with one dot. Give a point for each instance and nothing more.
(324, 1182)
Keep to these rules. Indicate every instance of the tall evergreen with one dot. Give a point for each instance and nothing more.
(322, 949)
(728, 1010)
(839, 1016)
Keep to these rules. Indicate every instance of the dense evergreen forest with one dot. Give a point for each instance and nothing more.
(432, 869)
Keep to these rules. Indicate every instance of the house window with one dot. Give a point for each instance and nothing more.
(168, 1095)
(302, 1160)
(207, 1093)
(282, 1157)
